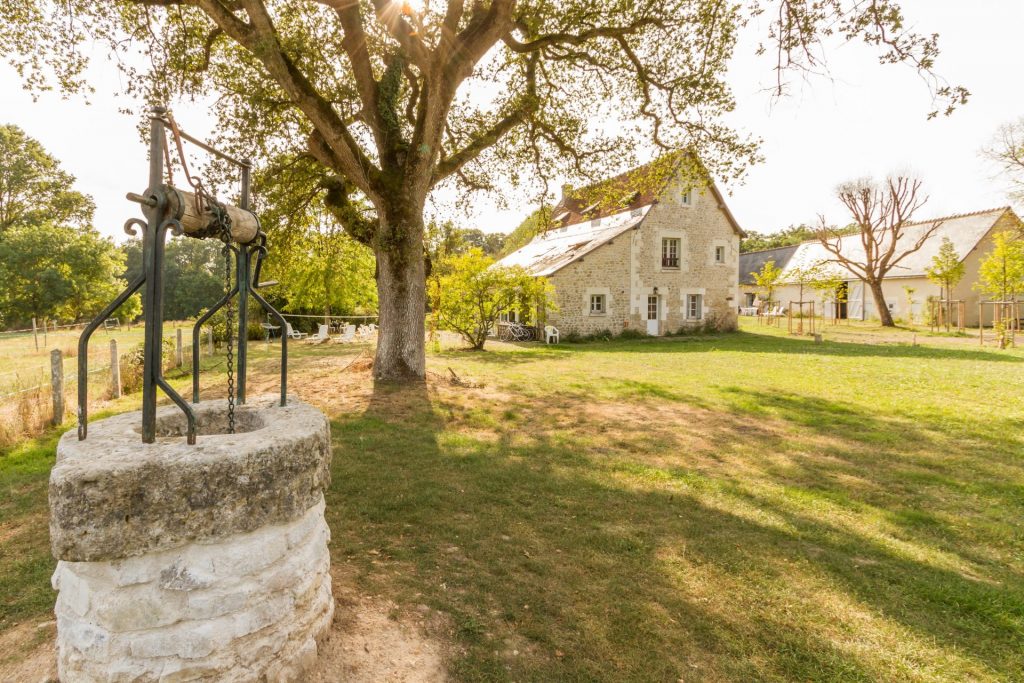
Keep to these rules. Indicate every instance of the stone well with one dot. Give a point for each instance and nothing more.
(203, 562)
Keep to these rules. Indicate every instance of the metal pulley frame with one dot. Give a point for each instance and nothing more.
(194, 214)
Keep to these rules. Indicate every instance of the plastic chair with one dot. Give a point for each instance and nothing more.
(550, 333)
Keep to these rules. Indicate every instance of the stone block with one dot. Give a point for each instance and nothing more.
(113, 497)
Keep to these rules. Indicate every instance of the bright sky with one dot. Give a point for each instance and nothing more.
(863, 119)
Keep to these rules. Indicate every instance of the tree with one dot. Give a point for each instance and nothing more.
(767, 279)
(383, 101)
(946, 271)
(323, 269)
(193, 274)
(474, 292)
(1007, 151)
(33, 187)
(1001, 274)
(48, 271)
(882, 213)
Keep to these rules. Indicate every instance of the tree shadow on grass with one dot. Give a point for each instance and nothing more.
(560, 555)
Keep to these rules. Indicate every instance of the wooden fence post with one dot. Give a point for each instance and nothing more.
(57, 385)
(35, 333)
(115, 371)
(45, 342)
(178, 357)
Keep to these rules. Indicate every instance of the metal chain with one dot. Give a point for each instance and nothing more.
(225, 235)
(231, 351)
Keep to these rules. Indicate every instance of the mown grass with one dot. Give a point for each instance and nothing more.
(737, 507)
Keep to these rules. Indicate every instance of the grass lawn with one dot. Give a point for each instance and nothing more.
(740, 507)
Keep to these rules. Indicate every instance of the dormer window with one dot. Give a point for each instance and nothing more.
(636, 212)
(596, 222)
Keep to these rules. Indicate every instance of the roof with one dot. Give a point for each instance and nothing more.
(753, 261)
(557, 248)
(965, 231)
(637, 187)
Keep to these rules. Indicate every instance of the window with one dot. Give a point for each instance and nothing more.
(596, 222)
(686, 198)
(670, 252)
(597, 304)
(652, 308)
(693, 306)
(719, 254)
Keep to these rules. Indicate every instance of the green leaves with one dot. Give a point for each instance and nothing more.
(33, 187)
(473, 292)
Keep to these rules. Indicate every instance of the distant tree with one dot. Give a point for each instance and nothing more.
(33, 187)
(794, 234)
(1001, 274)
(1007, 151)
(323, 269)
(474, 292)
(946, 271)
(48, 271)
(881, 212)
(193, 274)
(488, 242)
(767, 279)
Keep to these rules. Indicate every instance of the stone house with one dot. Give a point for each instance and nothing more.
(907, 288)
(647, 250)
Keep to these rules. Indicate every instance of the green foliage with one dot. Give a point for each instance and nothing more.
(473, 292)
(1001, 274)
(193, 274)
(794, 234)
(767, 279)
(946, 269)
(48, 271)
(33, 187)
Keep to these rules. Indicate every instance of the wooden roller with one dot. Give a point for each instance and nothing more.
(203, 223)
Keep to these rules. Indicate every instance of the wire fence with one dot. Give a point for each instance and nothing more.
(28, 402)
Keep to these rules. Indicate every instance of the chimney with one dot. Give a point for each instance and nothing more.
(566, 189)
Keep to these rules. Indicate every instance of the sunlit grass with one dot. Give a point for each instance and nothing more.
(741, 507)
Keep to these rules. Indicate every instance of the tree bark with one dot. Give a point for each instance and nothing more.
(883, 309)
(401, 294)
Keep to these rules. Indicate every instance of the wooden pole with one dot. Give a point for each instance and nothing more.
(115, 370)
(45, 342)
(35, 333)
(57, 385)
(179, 358)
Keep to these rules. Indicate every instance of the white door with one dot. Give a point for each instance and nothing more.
(652, 315)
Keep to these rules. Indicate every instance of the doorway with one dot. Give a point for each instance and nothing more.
(653, 310)
(842, 297)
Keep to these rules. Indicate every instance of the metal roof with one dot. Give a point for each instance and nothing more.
(555, 249)
(753, 261)
(964, 230)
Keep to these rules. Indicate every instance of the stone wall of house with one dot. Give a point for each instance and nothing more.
(603, 271)
(701, 226)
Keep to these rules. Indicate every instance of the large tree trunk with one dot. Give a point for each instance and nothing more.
(883, 309)
(401, 293)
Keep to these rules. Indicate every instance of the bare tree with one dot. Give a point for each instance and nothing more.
(1007, 150)
(882, 212)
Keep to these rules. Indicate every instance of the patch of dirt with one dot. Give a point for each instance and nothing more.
(27, 653)
(372, 640)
